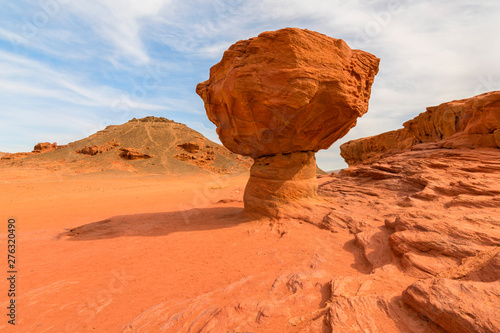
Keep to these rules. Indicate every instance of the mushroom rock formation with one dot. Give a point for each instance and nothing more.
(279, 98)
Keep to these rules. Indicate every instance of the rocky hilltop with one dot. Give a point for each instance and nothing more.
(466, 123)
(148, 145)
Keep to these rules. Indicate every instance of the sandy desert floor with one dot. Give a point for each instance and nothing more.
(121, 252)
(160, 239)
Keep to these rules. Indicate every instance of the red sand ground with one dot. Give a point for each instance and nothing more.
(157, 250)
(110, 252)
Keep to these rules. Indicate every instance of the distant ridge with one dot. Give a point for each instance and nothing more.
(153, 145)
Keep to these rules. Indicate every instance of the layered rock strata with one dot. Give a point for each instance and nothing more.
(467, 123)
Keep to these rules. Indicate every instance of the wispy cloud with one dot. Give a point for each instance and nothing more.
(119, 23)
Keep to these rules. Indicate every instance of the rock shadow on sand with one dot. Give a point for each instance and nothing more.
(158, 224)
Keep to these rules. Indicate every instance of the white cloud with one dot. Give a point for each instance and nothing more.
(120, 22)
(26, 77)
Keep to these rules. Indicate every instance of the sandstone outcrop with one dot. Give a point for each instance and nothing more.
(133, 154)
(40, 148)
(457, 306)
(98, 149)
(435, 222)
(355, 306)
(44, 147)
(430, 214)
(466, 123)
(279, 98)
(445, 209)
(373, 147)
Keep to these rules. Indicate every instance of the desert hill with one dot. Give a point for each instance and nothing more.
(153, 145)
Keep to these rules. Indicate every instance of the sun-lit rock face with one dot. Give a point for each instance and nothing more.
(472, 122)
(286, 92)
(467, 123)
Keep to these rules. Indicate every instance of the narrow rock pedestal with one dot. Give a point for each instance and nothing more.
(280, 179)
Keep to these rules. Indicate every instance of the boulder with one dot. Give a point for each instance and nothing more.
(44, 147)
(97, 149)
(279, 98)
(457, 306)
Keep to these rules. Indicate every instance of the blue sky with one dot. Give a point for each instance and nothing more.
(69, 68)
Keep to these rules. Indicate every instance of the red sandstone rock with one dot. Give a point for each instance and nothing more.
(278, 179)
(98, 149)
(133, 154)
(457, 306)
(466, 123)
(44, 147)
(437, 222)
(355, 306)
(289, 91)
(442, 207)
(373, 147)
(487, 271)
(434, 245)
